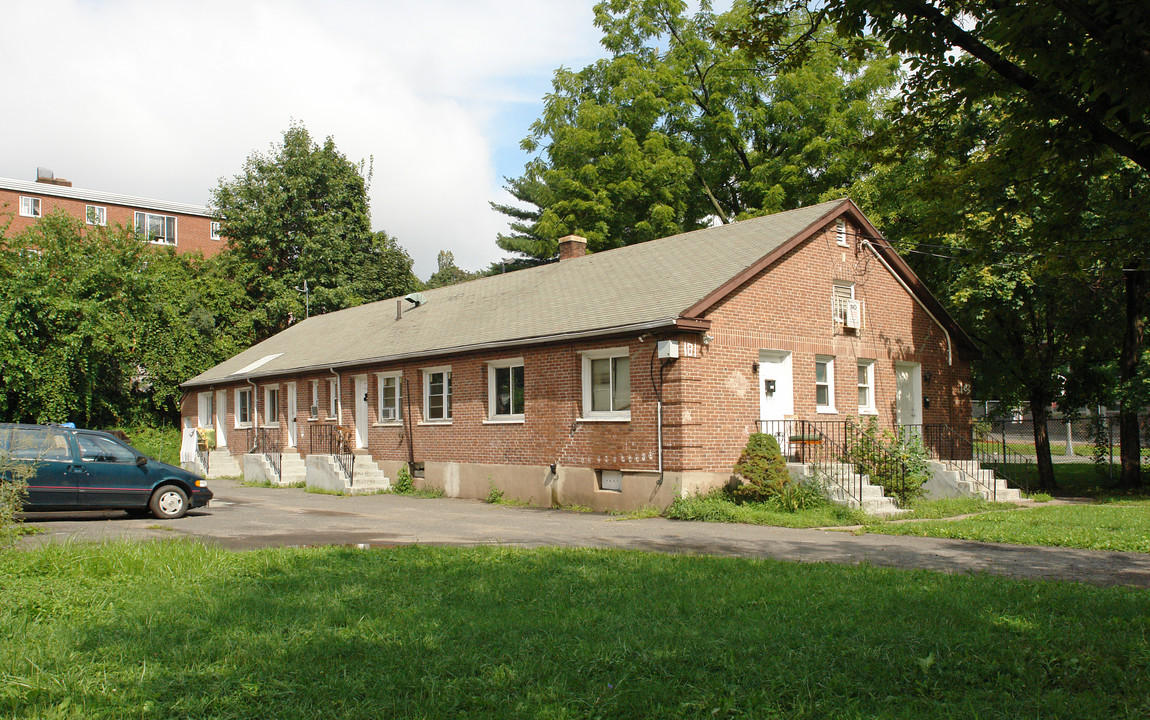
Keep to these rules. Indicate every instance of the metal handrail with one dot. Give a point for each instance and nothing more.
(330, 439)
(267, 443)
(842, 451)
(960, 452)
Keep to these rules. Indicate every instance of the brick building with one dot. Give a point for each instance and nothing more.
(613, 380)
(188, 228)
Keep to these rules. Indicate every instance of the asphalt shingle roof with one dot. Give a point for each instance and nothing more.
(649, 284)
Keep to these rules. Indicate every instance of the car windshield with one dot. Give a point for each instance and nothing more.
(96, 448)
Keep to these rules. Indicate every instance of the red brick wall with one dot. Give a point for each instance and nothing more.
(193, 232)
(788, 308)
(711, 394)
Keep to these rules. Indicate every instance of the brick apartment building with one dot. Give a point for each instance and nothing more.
(613, 380)
(187, 228)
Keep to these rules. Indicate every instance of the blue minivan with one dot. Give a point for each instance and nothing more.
(91, 470)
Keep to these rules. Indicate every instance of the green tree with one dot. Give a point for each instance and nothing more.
(1038, 100)
(449, 273)
(300, 213)
(678, 127)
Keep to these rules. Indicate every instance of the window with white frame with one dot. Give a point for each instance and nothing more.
(272, 405)
(243, 407)
(159, 229)
(333, 398)
(841, 232)
(824, 384)
(437, 394)
(96, 215)
(214, 233)
(842, 303)
(866, 387)
(390, 397)
(505, 389)
(29, 207)
(607, 384)
(313, 409)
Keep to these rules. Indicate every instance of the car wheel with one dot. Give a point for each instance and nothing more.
(169, 503)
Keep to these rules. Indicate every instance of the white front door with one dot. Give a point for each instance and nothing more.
(204, 416)
(221, 418)
(776, 394)
(908, 393)
(361, 419)
(292, 414)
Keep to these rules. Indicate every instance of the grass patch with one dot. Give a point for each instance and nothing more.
(716, 506)
(575, 508)
(1073, 480)
(1119, 525)
(272, 484)
(950, 507)
(173, 629)
(647, 511)
(415, 492)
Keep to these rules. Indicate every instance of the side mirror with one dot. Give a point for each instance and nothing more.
(141, 461)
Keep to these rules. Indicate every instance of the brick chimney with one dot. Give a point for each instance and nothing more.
(572, 246)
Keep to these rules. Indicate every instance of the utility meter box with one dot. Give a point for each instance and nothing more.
(668, 349)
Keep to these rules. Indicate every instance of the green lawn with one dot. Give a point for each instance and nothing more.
(165, 630)
(1119, 525)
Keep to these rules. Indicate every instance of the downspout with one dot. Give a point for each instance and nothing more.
(407, 418)
(881, 259)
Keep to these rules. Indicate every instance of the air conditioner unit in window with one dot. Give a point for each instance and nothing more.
(313, 413)
(853, 315)
(387, 414)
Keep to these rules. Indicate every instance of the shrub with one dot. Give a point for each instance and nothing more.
(762, 469)
(13, 489)
(494, 494)
(897, 463)
(404, 483)
(797, 496)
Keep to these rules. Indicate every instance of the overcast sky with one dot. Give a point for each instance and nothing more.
(162, 99)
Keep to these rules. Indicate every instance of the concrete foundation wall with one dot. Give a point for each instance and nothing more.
(254, 469)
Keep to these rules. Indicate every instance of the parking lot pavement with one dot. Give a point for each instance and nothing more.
(245, 518)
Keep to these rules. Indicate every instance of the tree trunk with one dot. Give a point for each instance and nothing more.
(1128, 366)
(1040, 411)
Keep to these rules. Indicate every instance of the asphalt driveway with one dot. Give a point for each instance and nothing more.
(244, 518)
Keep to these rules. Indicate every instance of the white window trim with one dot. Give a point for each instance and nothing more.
(380, 377)
(214, 230)
(600, 415)
(870, 409)
(268, 389)
(314, 386)
(427, 373)
(829, 408)
(251, 408)
(492, 417)
(99, 211)
(333, 399)
(34, 207)
(172, 241)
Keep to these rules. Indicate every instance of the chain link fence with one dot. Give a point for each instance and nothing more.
(1082, 440)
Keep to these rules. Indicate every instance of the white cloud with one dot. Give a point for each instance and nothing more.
(163, 99)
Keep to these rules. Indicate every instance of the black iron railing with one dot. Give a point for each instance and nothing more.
(202, 456)
(266, 442)
(963, 452)
(841, 453)
(325, 439)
